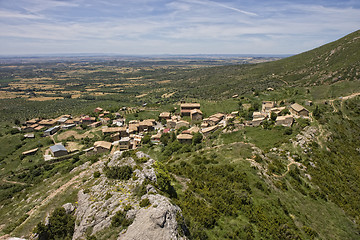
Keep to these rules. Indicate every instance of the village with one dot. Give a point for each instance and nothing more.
(119, 135)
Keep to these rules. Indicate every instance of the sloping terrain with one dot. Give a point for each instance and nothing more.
(332, 63)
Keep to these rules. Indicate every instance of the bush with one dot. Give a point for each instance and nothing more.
(119, 219)
(61, 226)
(144, 203)
(97, 174)
(121, 173)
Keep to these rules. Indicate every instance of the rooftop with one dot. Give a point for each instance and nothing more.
(57, 148)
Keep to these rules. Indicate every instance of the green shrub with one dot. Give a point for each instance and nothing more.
(61, 226)
(119, 219)
(97, 174)
(144, 203)
(121, 173)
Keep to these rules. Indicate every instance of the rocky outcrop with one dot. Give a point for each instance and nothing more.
(159, 221)
(103, 198)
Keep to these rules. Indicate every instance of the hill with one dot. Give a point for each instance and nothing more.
(334, 63)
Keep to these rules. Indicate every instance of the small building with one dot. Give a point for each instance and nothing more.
(257, 121)
(51, 131)
(68, 126)
(88, 120)
(32, 121)
(165, 115)
(102, 146)
(124, 143)
(29, 135)
(95, 124)
(235, 96)
(156, 138)
(186, 108)
(38, 128)
(207, 131)
(47, 122)
(98, 109)
(170, 123)
(298, 110)
(194, 129)
(182, 123)
(112, 130)
(62, 120)
(257, 115)
(185, 138)
(276, 110)
(285, 121)
(196, 115)
(58, 150)
(30, 152)
(266, 106)
(146, 125)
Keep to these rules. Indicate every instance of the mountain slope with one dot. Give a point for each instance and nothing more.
(335, 62)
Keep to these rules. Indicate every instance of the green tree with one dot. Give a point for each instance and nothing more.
(197, 138)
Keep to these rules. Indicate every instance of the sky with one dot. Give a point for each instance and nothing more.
(146, 27)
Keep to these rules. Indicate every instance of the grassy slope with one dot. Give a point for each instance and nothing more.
(336, 62)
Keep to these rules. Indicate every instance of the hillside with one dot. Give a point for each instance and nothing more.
(334, 63)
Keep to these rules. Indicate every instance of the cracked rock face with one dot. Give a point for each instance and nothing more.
(155, 222)
(100, 202)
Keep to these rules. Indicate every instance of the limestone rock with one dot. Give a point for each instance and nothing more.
(69, 208)
(155, 222)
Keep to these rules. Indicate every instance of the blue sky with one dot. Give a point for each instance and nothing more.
(173, 27)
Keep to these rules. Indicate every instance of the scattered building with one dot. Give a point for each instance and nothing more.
(207, 131)
(47, 122)
(285, 121)
(165, 115)
(58, 150)
(102, 146)
(156, 138)
(170, 123)
(68, 126)
(51, 131)
(124, 143)
(30, 152)
(29, 135)
(95, 124)
(266, 106)
(88, 120)
(185, 138)
(98, 109)
(182, 123)
(186, 108)
(257, 115)
(298, 110)
(257, 121)
(196, 115)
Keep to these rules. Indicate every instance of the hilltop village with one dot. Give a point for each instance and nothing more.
(114, 133)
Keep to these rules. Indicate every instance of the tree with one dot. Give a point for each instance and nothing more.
(197, 138)
(317, 113)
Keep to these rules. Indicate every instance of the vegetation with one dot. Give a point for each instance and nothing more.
(61, 226)
(120, 173)
(238, 183)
